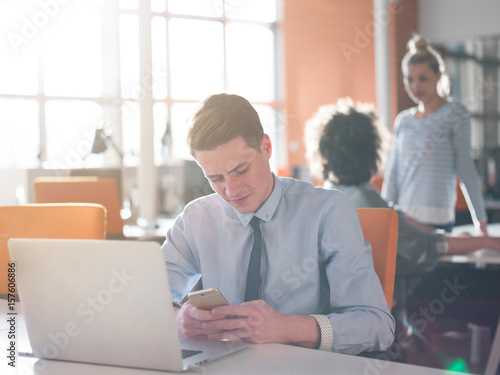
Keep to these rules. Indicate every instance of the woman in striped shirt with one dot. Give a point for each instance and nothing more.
(431, 147)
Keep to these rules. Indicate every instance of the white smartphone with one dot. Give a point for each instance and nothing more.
(207, 299)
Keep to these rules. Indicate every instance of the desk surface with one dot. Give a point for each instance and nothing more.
(493, 229)
(480, 258)
(157, 232)
(256, 359)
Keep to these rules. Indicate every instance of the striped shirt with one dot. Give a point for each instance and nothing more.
(427, 157)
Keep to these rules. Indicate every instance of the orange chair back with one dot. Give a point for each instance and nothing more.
(461, 204)
(84, 190)
(380, 229)
(377, 180)
(83, 221)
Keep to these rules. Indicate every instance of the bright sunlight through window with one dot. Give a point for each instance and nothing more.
(68, 68)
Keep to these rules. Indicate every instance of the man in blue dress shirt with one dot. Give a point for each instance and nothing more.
(317, 287)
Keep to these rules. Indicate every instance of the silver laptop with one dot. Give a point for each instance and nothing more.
(105, 302)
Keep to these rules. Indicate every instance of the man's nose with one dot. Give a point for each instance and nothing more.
(231, 186)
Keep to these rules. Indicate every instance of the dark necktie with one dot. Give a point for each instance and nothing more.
(253, 276)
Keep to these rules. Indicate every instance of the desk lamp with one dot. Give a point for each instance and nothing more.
(101, 142)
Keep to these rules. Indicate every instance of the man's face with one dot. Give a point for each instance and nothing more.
(239, 173)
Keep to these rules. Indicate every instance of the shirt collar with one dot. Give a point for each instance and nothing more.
(266, 211)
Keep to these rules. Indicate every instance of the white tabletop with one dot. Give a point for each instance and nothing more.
(480, 258)
(256, 359)
(261, 359)
(158, 230)
(493, 229)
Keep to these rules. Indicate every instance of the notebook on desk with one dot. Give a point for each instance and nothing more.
(105, 302)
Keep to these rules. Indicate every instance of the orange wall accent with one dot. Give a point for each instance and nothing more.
(317, 70)
(406, 24)
(329, 53)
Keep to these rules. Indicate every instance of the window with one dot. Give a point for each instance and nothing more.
(68, 68)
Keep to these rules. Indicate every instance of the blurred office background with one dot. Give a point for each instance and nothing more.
(105, 87)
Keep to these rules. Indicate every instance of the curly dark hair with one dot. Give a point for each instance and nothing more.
(344, 140)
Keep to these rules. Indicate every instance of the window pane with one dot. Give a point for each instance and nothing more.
(197, 58)
(250, 61)
(72, 54)
(159, 48)
(129, 55)
(18, 62)
(128, 4)
(131, 133)
(209, 8)
(158, 5)
(18, 73)
(19, 133)
(70, 127)
(181, 112)
(251, 10)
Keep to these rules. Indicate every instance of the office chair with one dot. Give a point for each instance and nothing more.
(380, 229)
(377, 180)
(83, 190)
(63, 220)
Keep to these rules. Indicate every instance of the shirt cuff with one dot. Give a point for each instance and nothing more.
(326, 332)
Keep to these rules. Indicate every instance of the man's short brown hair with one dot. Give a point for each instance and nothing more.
(221, 118)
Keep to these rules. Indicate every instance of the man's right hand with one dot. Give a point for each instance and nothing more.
(189, 321)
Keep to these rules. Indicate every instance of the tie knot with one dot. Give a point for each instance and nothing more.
(254, 223)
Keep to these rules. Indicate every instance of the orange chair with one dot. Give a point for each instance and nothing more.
(461, 204)
(83, 221)
(380, 229)
(83, 190)
(377, 180)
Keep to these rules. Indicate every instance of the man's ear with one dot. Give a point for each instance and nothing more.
(266, 146)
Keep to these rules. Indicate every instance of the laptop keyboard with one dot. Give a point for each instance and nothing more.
(186, 353)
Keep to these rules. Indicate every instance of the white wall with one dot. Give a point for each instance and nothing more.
(448, 21)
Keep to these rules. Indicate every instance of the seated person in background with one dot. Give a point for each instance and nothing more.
(343, 143)
(317, 286)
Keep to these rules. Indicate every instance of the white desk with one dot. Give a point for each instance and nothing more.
(480, 258)
(158, 232)
(256, 359)
(493, 229)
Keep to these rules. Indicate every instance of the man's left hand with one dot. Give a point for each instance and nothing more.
(259, 323)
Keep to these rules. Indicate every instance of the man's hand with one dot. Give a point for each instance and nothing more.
(259, 323)
(189, 321)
